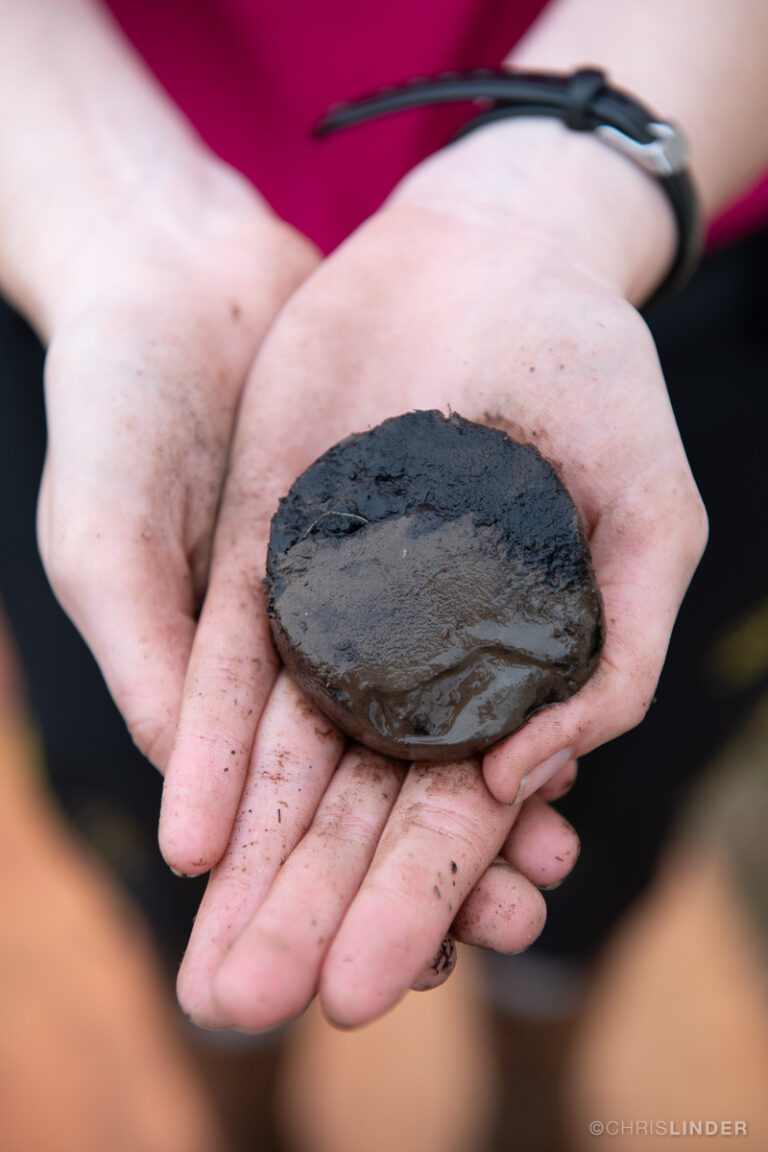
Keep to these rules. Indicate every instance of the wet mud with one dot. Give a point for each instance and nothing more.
(430, 587)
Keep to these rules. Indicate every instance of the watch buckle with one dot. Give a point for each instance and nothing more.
(664, 156)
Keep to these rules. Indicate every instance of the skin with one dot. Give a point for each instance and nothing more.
(413, 312)
(270, 925)
(478, 280)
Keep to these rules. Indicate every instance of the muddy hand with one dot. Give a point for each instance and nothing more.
(503, 301)
(346, 880)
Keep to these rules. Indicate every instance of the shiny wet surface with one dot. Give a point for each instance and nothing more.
(430, 586)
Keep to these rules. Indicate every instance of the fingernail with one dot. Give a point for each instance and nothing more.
(543, 772)
(181, 875)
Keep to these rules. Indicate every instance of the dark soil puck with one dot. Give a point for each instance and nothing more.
(430, 587)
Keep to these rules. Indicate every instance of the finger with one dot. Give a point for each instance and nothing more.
(133, 603)
(441, 835)
(643, 563)
(542, 845)
(271, 972)
(561, 783)
(294, 756)
(232, 669)
(504, 911)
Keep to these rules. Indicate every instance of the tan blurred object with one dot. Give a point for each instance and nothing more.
(90, 1059)
(678, 1028)
(421, 1079)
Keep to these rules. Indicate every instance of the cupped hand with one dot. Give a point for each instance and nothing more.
(166, 302)
(459, 298)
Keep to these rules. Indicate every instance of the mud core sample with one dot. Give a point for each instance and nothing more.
(429, 586)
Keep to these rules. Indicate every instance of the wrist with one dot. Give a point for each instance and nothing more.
(566, 190)
(157, 223)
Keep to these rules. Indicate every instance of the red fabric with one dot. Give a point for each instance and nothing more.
(745, 215)
(254, 76)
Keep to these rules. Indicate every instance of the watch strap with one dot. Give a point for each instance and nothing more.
(584, 102)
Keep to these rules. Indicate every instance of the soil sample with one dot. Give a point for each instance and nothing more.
(429, 586)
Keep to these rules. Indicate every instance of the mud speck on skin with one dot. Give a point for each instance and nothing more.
(445, 958)
(440, 968)
(323, 733)
(447, 779)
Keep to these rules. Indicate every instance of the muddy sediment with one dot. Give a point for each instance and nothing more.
(430, 586)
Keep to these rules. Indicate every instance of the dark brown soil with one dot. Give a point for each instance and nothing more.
(429, 586)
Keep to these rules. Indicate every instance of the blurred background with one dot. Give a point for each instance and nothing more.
(641, 1010)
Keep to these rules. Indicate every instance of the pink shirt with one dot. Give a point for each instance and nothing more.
(254, 76)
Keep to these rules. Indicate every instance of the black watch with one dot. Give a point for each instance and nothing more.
(584, 103)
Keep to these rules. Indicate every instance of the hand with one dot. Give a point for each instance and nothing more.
(346, 870)
(156, 320)
(446, 299)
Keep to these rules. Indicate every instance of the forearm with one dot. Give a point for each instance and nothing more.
(86, 136)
